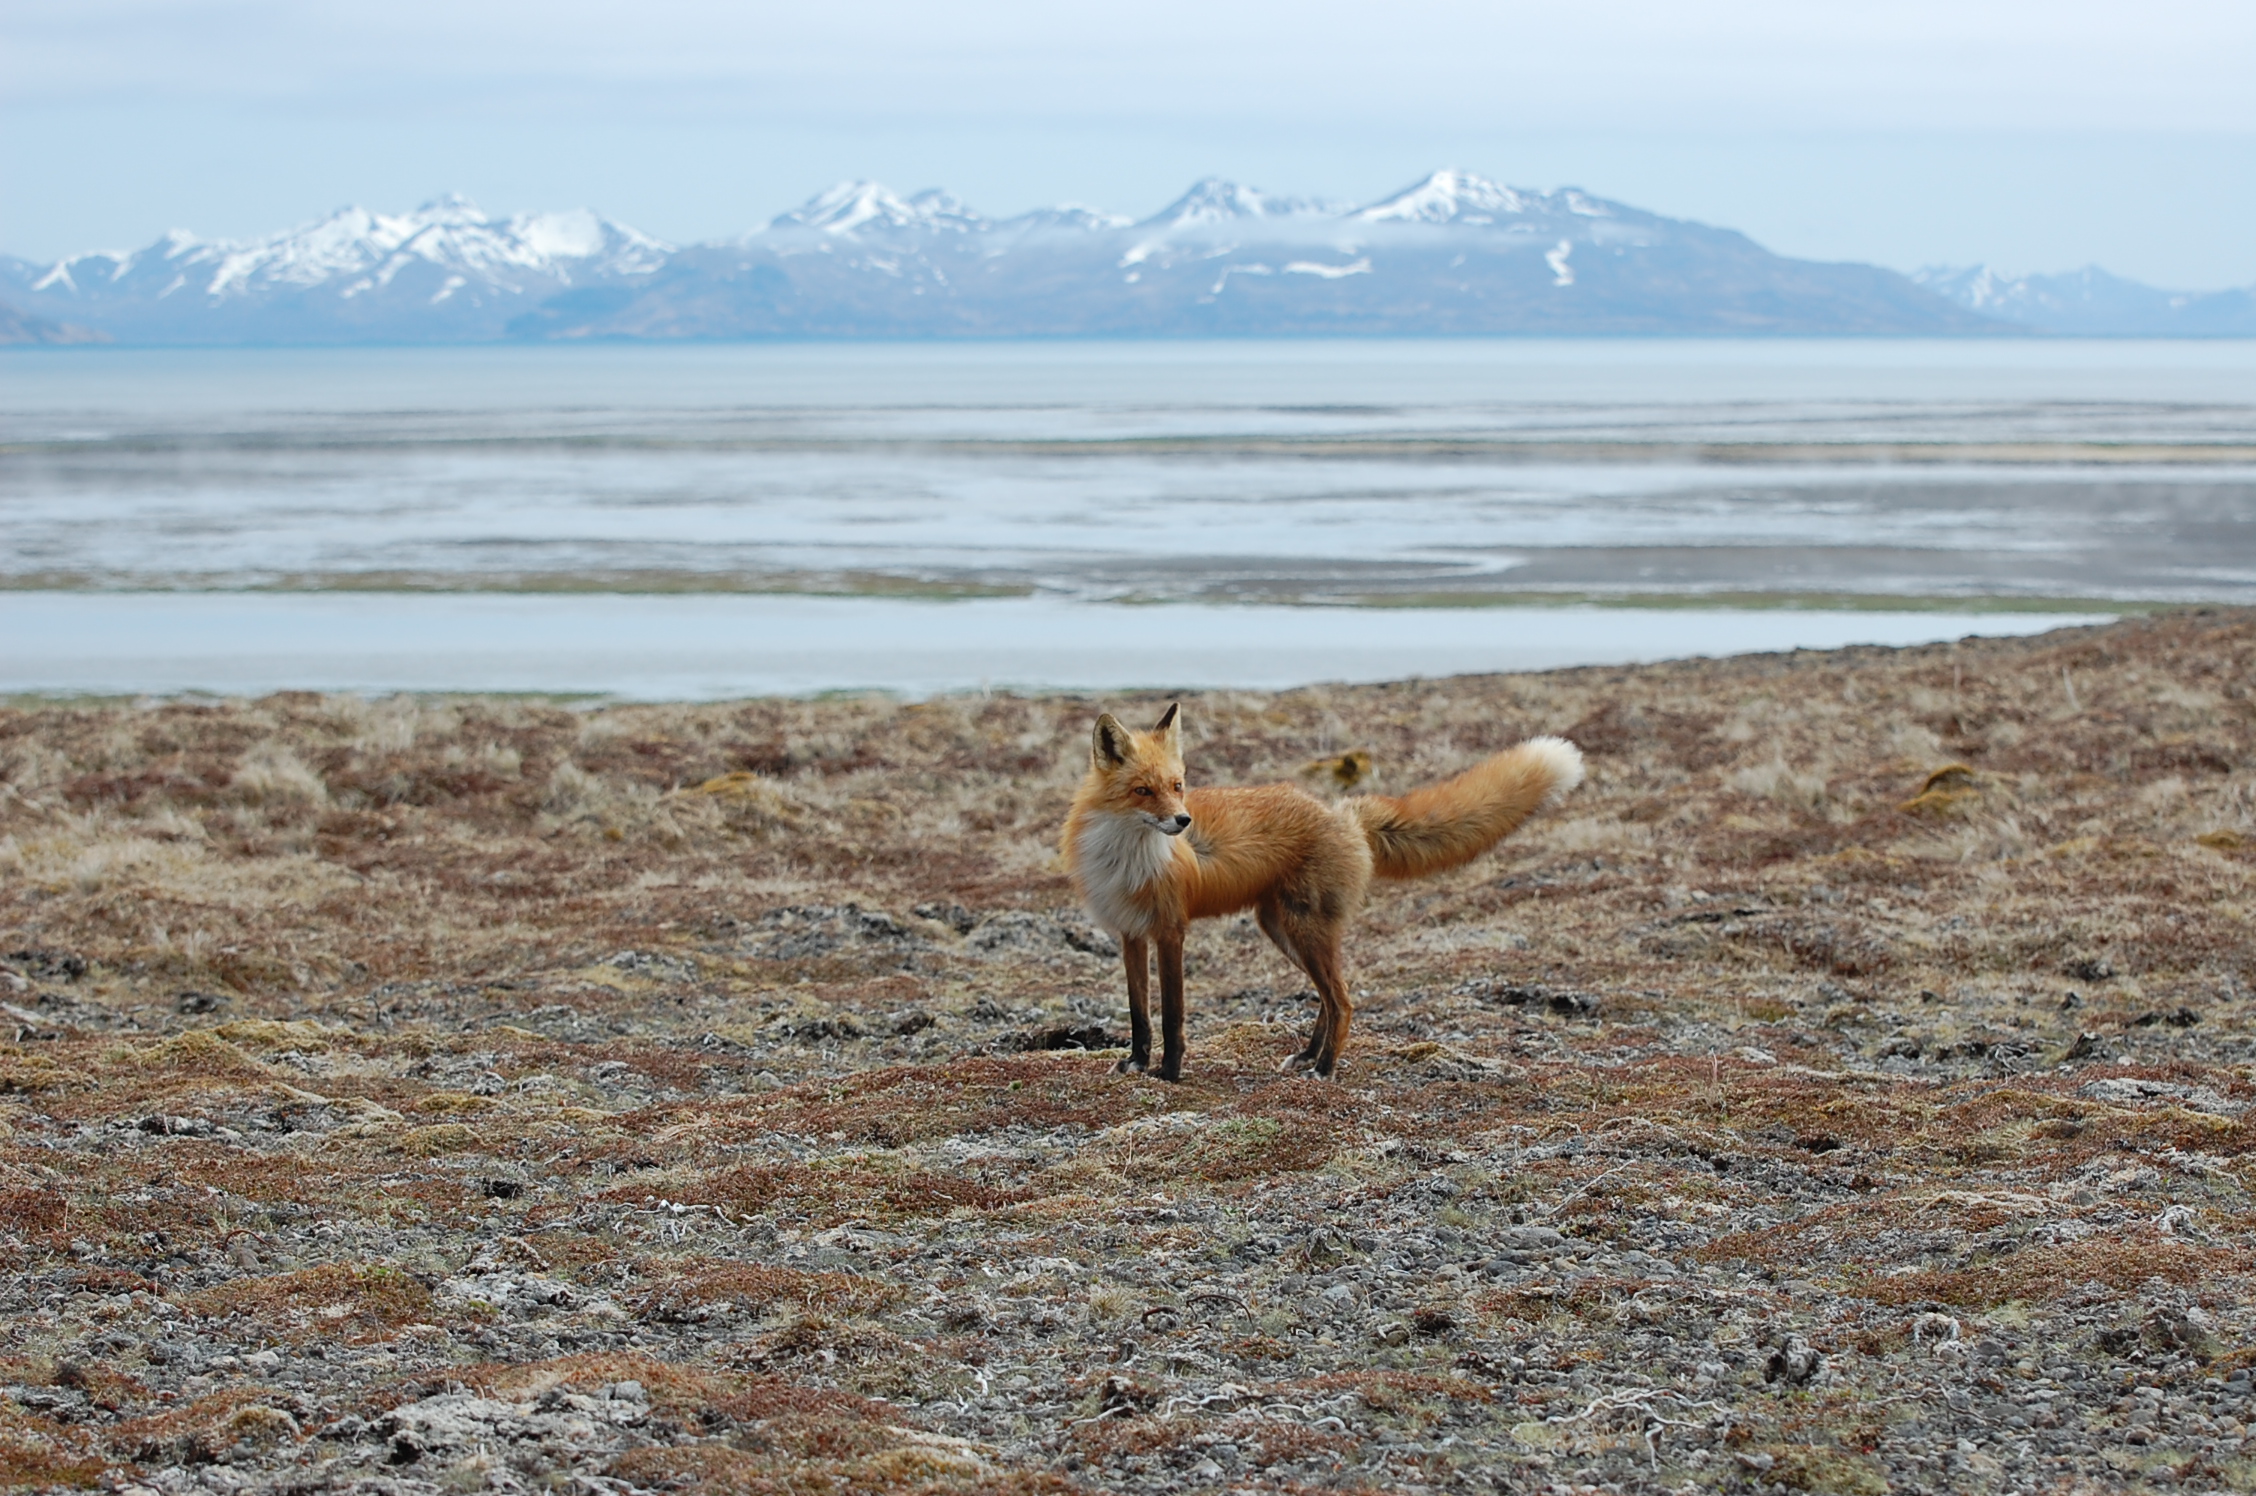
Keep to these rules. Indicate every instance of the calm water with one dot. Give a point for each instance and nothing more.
(1066, 475)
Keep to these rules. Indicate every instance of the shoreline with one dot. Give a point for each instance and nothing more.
(847, 585)
(1439, 448)
(708, 647)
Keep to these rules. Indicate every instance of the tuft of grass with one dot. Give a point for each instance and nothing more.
(2039, 1274)
(197, 1052)
(31, 1462)
(829, 1193)
(336, 1299)
(1823, 1470)
(760, 1287)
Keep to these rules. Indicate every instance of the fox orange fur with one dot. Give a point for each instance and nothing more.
(1149, 856)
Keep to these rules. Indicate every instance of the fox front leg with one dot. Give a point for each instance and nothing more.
(1135, 954)
(1171, 1004)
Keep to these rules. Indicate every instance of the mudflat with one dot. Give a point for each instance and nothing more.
(1847, 1089)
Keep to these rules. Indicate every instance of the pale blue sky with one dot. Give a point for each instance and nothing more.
(2037, 136)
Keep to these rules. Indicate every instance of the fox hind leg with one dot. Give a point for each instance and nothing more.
(1270, 915)
(1310, 939)
(1338, 1012)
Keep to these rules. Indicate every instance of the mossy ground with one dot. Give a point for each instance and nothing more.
(1790, 1109)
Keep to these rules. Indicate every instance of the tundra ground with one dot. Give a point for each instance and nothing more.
(1846, 1090)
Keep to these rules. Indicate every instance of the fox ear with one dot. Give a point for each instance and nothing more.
(1109, 743)
(1166, 722)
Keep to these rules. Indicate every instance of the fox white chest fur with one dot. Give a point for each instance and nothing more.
(1117, 856)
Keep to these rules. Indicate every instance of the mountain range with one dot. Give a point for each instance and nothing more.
(1454, 254)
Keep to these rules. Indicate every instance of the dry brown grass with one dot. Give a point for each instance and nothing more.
(756, 1286)
(330, 1300)
(32, 1463)
(2037, 1274)
(707, 1025)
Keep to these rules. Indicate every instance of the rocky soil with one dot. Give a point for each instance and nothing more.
(1847, 1090)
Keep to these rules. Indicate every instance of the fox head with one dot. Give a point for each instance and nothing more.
(1141, 773)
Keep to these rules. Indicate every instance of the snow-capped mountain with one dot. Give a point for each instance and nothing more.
(1212, 202)
(870, 212)
(441, 273)
(1452, 254)
(2092, 303)
(867, 209)
(1448, 196)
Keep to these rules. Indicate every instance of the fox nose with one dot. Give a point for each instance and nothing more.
(1182, 822)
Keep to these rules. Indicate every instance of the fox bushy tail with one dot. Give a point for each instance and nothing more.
(1447, 825)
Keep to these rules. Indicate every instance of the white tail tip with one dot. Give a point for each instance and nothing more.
(1561, 760)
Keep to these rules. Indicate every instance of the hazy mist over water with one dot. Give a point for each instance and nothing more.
(164, 388)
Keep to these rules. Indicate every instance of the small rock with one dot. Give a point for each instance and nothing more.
(1123, 1394)
(1089, 1036)
(955, 916)
(1796, 1361)
(52, 965)
(962, 1314)
(1935, 1328)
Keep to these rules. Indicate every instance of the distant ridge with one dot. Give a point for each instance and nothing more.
(1452, 254)
(17, 328)
(2092, 303)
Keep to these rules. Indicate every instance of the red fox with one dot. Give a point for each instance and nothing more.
(1148, 857)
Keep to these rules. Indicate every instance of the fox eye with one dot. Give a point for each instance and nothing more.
(1178, 786)
(1144, 790)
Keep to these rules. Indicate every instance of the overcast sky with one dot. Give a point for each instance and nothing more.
(2034, 134)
